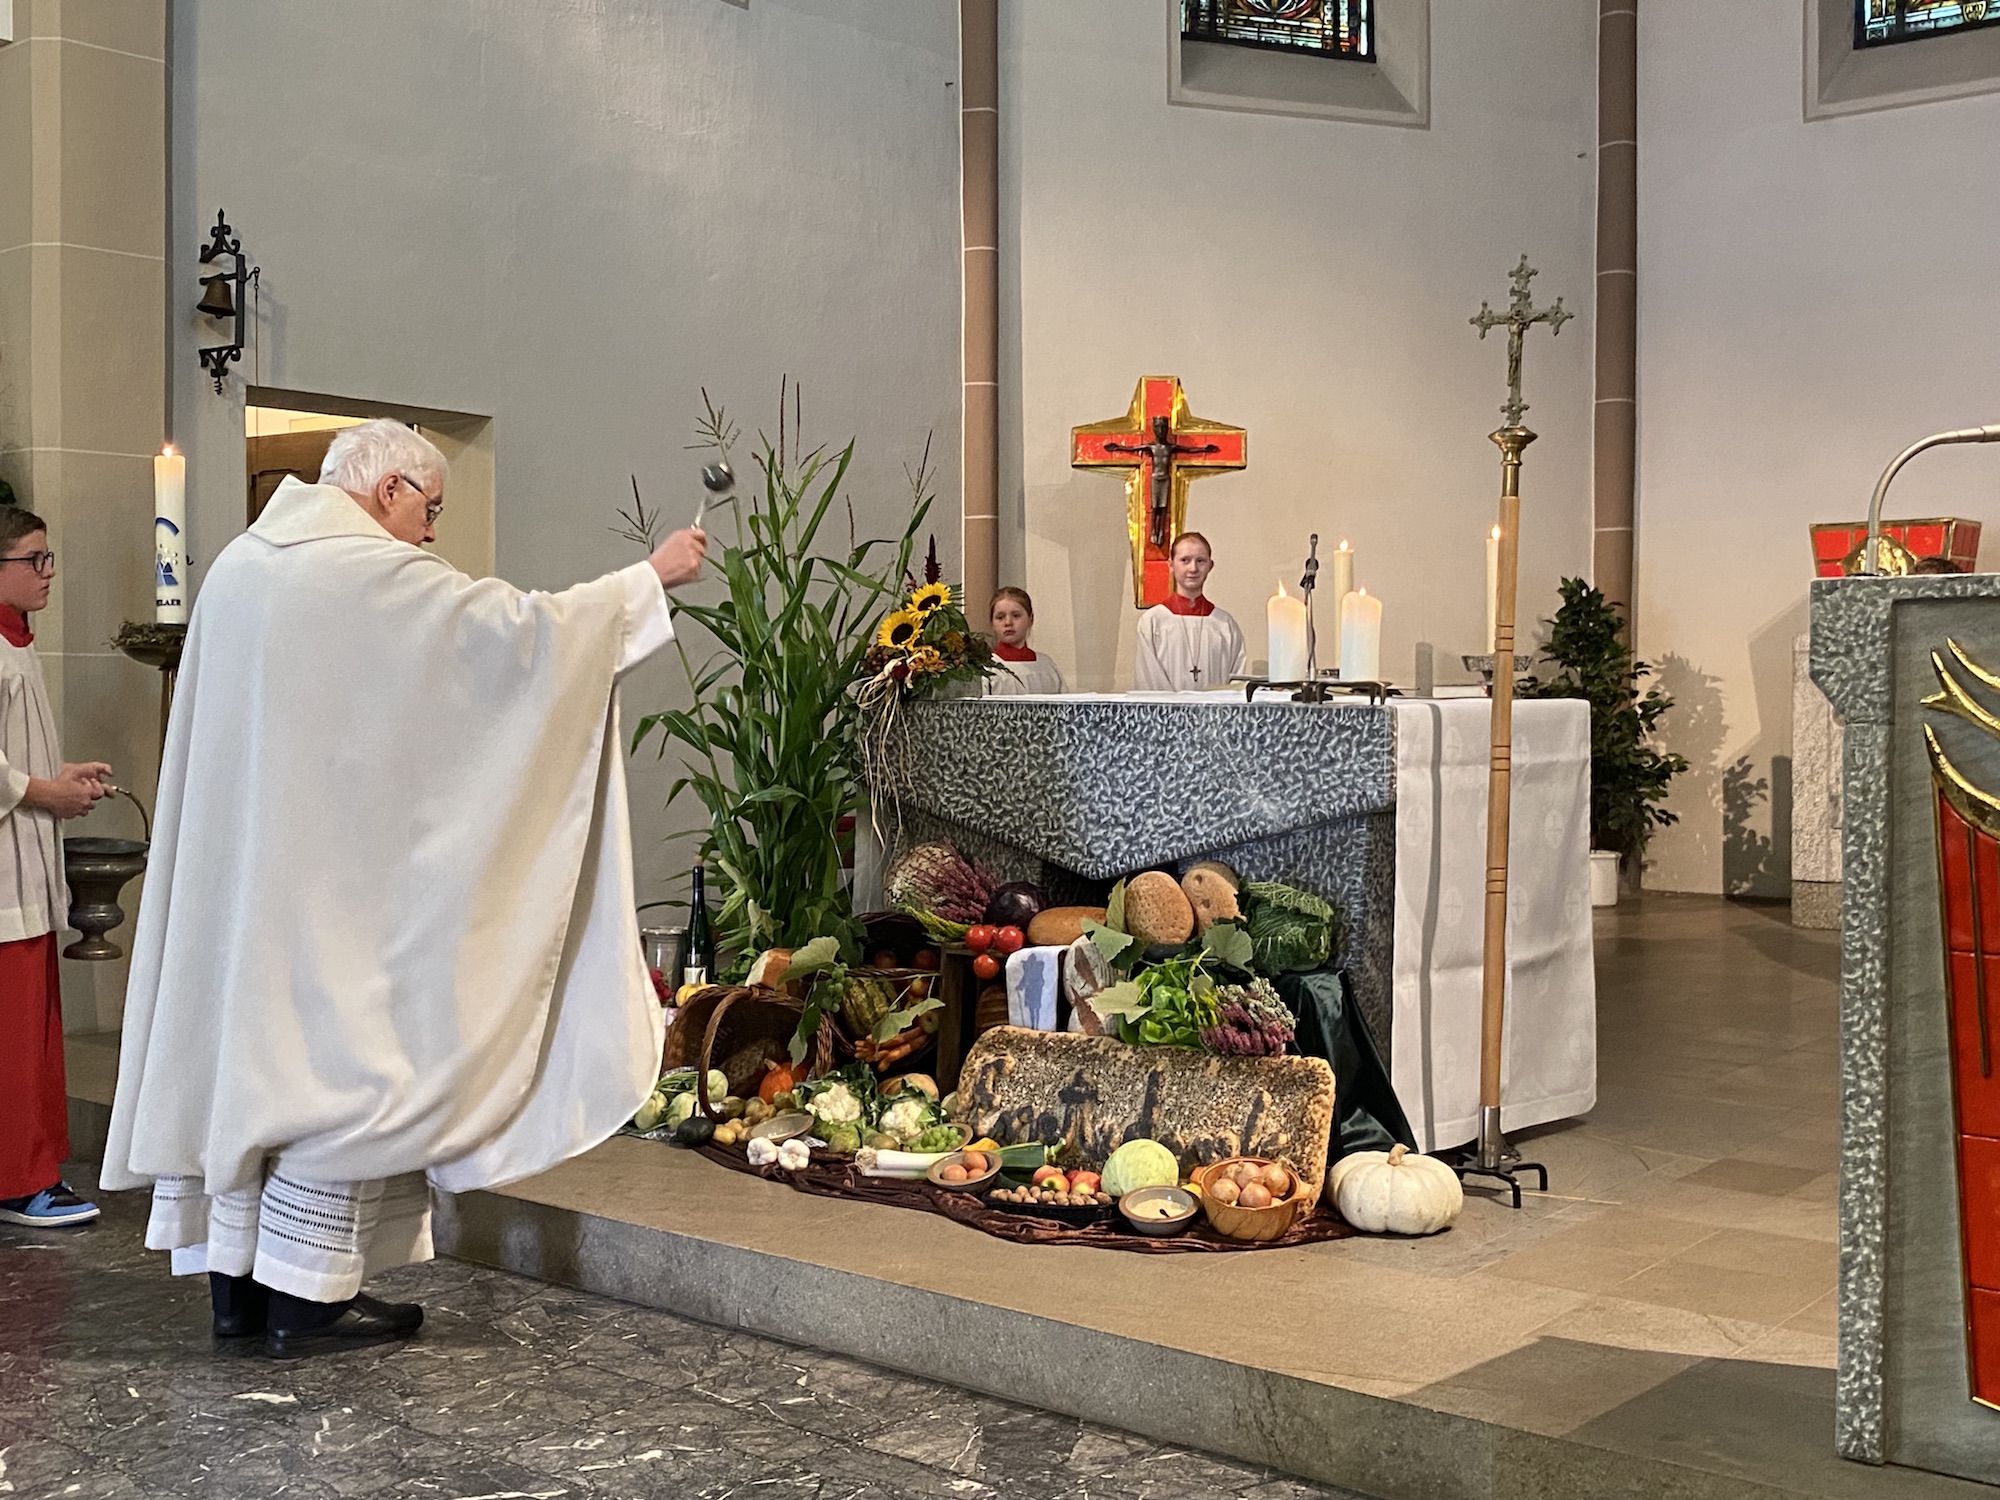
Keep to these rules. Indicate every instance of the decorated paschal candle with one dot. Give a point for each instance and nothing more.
(169, 537)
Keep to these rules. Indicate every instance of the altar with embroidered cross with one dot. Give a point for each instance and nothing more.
(1379, 809)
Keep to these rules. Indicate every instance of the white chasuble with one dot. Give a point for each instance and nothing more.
(1186, 653)
(388, 923)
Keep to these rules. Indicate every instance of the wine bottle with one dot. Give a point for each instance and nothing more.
(700, 936)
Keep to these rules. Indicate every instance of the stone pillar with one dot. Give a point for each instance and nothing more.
(1612, 436)
(83, 173)
(979, 219)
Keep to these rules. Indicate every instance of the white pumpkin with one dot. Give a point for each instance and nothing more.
(1399, 1191)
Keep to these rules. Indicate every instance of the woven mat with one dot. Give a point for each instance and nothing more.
(835, 1177)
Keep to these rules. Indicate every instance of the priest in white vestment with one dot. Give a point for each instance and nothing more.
(388, 937)
(1187, 644)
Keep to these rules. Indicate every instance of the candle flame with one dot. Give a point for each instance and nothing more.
(1496, 533)
(1343, 544)
(166, 450)
(1281, 590)
(1362, 592)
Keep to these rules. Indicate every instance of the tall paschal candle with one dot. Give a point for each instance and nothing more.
(170, 601)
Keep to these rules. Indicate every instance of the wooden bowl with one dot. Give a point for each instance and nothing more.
(1254, 1225)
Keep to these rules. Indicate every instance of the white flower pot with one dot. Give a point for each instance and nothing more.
(1603, 877)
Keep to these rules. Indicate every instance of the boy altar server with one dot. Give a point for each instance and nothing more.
(1187, 644)
(36, 790)
(388, 933)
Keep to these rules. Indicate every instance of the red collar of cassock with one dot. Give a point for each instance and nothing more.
(1179, 604)
(1012, 653)
(14, 626)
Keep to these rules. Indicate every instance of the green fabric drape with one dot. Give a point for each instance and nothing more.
(1367, 1115)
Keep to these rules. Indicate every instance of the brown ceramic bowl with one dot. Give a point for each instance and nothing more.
(971, 1184)
(1254, 1224)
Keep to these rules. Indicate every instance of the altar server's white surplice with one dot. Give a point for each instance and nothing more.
(388, 925)
(1179, 653)
(1012, 679)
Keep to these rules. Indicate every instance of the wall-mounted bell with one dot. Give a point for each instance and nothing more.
(216, 299)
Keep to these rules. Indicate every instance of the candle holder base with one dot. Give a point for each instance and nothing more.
(1493, 1156)
(1319, 690)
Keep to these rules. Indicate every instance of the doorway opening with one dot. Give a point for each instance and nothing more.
(288, 433)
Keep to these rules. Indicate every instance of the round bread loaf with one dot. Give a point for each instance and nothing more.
(1157, 910)
(1059, 926)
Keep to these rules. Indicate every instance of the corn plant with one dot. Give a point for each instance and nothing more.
(770, 745)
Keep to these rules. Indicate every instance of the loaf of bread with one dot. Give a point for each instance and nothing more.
(1059, 926)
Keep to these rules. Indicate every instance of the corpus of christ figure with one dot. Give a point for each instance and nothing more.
(1163, 448)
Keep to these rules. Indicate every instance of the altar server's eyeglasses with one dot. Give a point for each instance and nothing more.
(42, 562)
(432, 508)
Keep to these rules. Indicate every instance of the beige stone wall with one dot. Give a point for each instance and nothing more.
(82, 370)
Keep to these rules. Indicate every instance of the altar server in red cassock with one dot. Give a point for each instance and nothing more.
(36, 791)
(1187, 644)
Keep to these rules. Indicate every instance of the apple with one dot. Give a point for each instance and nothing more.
(979, 938)
(926, 959)
(1086, 1182)
(1010, 939)
(1043, 1174)
(985, 965)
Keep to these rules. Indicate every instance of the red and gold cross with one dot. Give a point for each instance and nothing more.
(1166, 449)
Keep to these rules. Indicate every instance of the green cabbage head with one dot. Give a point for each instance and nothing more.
(1138, 1164)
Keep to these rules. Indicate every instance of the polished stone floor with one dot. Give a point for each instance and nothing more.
(110, 1386)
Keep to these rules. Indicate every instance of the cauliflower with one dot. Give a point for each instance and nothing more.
(907, 1118)
(837, 1106)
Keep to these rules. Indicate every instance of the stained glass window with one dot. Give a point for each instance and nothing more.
(1318, 28)
(1879, 21)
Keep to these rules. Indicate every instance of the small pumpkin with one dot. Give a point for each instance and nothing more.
(778, 1079)
(1398, 1191)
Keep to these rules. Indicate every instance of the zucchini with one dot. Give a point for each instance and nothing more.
(1023, 1159)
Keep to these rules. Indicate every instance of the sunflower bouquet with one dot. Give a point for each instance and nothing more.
(926, 643)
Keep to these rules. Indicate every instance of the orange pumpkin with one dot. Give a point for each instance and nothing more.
(777, 1080)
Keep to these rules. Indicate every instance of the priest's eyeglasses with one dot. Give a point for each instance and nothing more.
(43, 563)
(432, 508)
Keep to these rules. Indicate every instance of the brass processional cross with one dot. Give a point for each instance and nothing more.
(1492, 1156)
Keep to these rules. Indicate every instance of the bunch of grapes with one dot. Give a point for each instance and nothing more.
(1252, 1022)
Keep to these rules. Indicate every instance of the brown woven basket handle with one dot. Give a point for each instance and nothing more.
(712, 1111)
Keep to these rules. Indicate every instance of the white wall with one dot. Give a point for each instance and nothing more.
(1812, 297)
(1310, 280)
(569, 216)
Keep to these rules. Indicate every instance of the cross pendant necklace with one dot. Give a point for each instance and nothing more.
(1520, 316)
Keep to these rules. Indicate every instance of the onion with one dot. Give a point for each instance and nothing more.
(1015, 904)
(1278, 1179)
(1254, 1195)
(1223, 1191)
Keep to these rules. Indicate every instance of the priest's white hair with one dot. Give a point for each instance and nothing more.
(359, 458)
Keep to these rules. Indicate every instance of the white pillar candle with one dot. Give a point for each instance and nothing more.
(170, 603)
(1285, 620)
(1360, 638)
(1342, 562)
(1492, 587)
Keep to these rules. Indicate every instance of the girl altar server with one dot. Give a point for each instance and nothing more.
(1187, 644)
(1021, 670)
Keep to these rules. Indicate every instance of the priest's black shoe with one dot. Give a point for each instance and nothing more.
(299, 1328)
(239, 1305)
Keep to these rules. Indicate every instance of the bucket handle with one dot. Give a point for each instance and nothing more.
(145, 821)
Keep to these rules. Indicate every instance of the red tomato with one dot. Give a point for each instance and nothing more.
(926, 959)
(1009, 939)
(979, 938)
(986, 966)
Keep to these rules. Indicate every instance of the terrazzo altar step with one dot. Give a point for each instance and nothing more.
(1306, 1360)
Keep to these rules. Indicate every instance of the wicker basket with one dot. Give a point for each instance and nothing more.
(737, 1030)
(844, 1038)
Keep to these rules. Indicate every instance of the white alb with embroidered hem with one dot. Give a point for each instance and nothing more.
(388, 925)
(33, 896)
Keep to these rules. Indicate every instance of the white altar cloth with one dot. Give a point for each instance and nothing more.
(1550, 1061)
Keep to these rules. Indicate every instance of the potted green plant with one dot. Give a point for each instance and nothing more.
(1629, 773)
(770, 739)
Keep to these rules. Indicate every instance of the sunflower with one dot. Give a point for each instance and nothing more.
(954, 643)
(926, 659)
(930, 596)
(899, 631)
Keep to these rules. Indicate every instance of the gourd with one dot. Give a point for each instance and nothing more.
(1399, 1191)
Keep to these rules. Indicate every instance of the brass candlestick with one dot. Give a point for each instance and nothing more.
(1492, 1156)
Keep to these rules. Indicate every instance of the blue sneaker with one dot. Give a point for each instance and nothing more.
(51, 1208)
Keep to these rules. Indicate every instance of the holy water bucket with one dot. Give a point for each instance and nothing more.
(97, 870)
